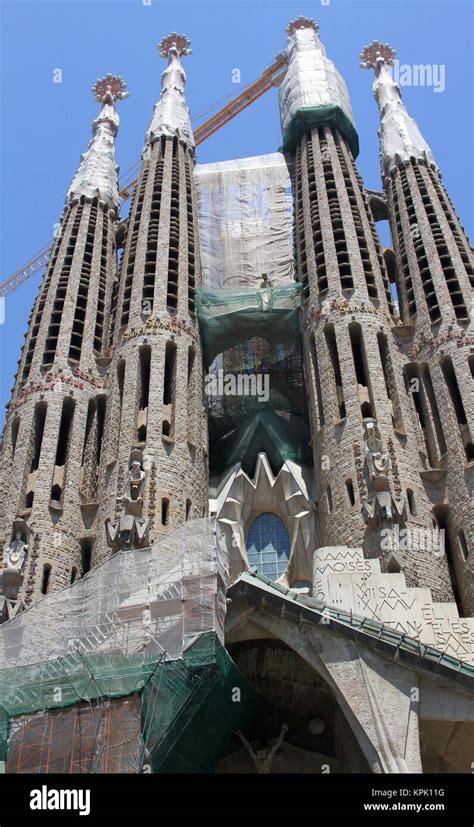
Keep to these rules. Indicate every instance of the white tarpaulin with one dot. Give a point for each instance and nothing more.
(311, 80)
(245, 221)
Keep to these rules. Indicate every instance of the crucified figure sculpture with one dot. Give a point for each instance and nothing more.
(263, 758)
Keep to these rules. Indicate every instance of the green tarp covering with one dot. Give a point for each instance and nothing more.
(227, 317)
(310, 117)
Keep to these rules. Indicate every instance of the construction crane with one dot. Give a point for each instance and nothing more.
(269, 78)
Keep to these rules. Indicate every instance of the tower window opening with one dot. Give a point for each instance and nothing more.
(316, 381)
(442, 516)
(170, 367)
(45, 580)
(101, 411)
(411, 502)
(169, 390)
(329, 498)
(86, 545)
(350, 492)
(390, 383)
(91, 411)
(14, 434)
(452, 385)
(65, 427)
(174, 235)
(39, 418)
(191, 396)
(56, 493)
(144, 365)
(73, 575)
(330, 337)
(361, 369)
(415, 390)
(165, 511)
(132, 250)
(188, 508)
(463, 545)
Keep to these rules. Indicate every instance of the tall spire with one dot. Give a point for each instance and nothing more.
(313, 92)
(171, 113)
(400, 138)
(97, 173)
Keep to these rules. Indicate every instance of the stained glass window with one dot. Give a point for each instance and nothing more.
(268, 546)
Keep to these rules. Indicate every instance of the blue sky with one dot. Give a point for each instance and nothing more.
(46, 125)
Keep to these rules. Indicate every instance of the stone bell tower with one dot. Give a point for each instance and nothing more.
(363, 436)
(435, 267)
(155, 417)
(53, 434)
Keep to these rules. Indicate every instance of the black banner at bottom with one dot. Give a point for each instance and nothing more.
(92, 799)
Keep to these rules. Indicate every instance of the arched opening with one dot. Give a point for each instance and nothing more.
(86, 554)
(165, 511)
(268, 545)
(411, 502)
(317, 738)
(350, 492)
(442, 517)
(463, 545)
(56, 493)
(329, 498)
(46, 578)
(73, 575)
(188, 508)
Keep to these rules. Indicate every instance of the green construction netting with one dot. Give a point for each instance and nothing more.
(190, 708)
(280, 436)
(310, 117)
(248, 334)
(59, 683)
(227, 317)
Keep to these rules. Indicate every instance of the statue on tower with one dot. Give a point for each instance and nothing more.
(378, 461)
(133, 488)
(15, 555)
(131, 530)
(380, 505)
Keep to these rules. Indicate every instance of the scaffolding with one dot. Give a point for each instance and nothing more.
(110, 673)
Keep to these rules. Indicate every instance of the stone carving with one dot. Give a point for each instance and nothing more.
(16, 553)
(359, 464)
(380, 505)
(152, 491)
(378, 462)
(129, 532)
(133, 488)
(263, 758)
(131, 529)
(32, 566)
(393, 459)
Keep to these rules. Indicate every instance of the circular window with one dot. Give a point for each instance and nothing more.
(268, 546)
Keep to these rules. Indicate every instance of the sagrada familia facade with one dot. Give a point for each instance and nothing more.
(297, 555)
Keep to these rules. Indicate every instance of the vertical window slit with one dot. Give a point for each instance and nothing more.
(330, 337)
